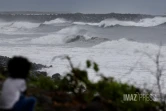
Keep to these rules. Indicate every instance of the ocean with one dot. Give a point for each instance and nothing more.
(124, 45)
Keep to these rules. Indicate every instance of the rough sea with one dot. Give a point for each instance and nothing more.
(124, 48)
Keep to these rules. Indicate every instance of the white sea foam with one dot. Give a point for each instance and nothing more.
(86, 23)
(56, 21)
(21, 40)
(27, 25)
(16, 27)
(115, 58)
(61, 36)
(146, 22)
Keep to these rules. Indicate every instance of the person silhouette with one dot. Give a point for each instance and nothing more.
(13, 94)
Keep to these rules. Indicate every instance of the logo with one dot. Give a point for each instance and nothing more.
(139, 97)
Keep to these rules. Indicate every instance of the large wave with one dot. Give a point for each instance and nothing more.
(61, 37)
(67, 35)
(27, 25)
(56, 21)
(84, 23)
(16, 26)
(124, 44)
(146, 22)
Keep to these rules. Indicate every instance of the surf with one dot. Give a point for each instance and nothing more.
(146, 22)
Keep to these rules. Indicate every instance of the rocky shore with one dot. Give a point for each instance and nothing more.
(35, 67)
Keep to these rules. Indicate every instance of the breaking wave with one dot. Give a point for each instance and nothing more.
(66, 35)
(16, 26)
(125, 45)
(56, 21)
(146, 22)
(84, 23)
(60, 37)
(27, 25)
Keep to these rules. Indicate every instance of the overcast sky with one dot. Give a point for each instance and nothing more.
(86, 6)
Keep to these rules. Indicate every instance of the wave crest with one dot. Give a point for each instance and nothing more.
(60, 37)
(16, 27)
(146, 22)
(27, 25)
(56, 21)
(67, 35)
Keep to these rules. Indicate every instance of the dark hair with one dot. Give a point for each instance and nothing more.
(18, 67)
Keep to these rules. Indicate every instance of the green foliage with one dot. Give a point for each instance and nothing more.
(88, 63)
(95, 67)
(80, 88)
(78, 83)
(43, 82)
(112, 90)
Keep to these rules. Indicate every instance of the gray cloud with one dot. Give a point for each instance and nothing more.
(86, 6)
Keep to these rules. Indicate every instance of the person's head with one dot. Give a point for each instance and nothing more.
(18, 67)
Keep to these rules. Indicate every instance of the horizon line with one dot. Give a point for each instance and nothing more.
(63, 12)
